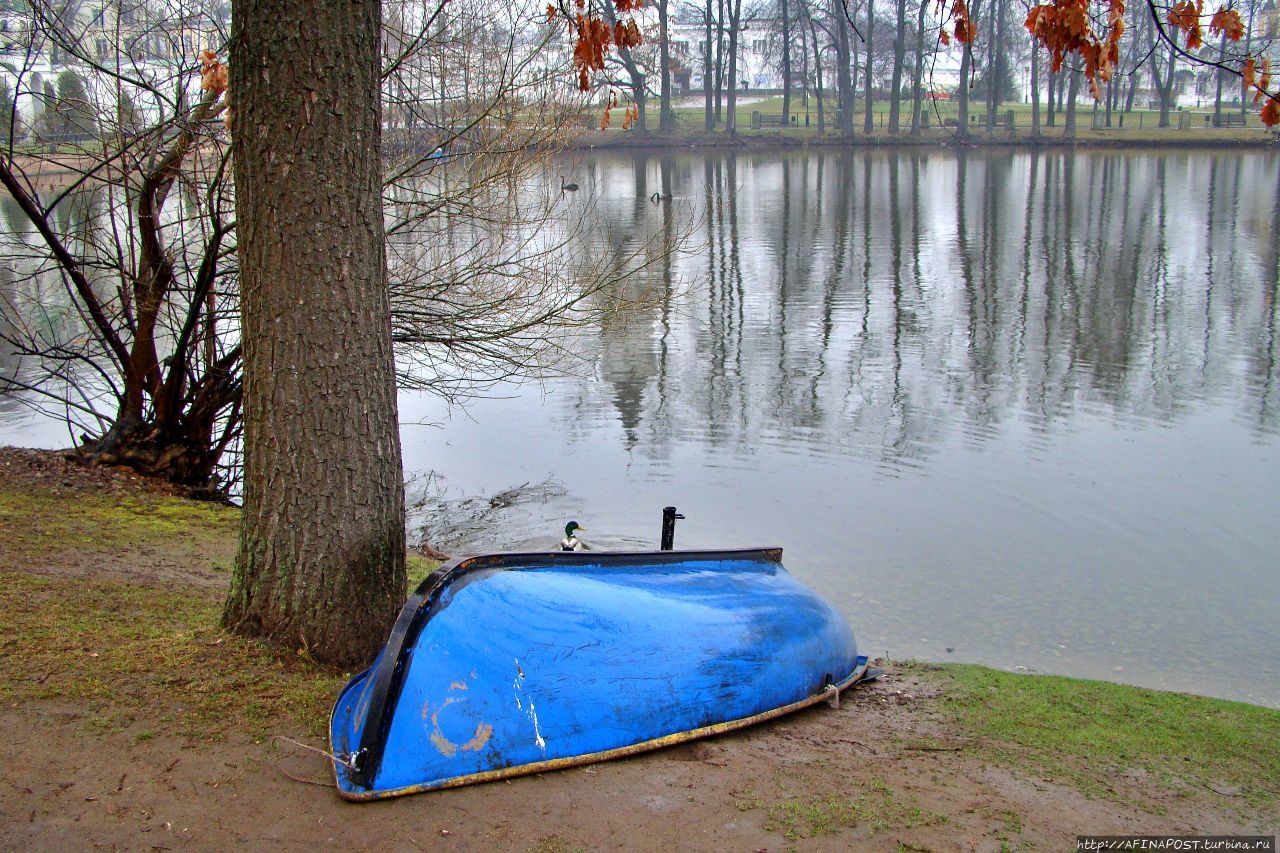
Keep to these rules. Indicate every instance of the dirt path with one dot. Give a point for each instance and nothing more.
(822, 780)
(881, 772)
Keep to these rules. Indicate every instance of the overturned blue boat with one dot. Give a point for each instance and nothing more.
(509, 664)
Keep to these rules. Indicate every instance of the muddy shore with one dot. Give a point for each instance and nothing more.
(135, 723)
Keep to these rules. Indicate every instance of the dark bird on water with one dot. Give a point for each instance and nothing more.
(657, 197)
(567, 188)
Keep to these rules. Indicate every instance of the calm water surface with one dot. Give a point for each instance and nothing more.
(1016, 409)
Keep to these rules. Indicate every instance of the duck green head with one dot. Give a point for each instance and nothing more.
(570, 527)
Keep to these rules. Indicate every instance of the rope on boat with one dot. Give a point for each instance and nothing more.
(348, 761)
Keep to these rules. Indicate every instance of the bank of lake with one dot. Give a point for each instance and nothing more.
(141, 723)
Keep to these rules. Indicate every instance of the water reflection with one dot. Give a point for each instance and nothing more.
(870, 303)
(1019, 406)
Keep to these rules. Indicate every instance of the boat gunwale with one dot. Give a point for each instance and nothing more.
(860, 673)
(363, 764)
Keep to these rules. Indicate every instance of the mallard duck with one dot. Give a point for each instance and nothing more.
(571, 542)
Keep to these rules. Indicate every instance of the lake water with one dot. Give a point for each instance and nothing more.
(1019, 409)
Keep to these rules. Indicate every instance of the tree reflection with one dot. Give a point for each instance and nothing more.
(874, 303)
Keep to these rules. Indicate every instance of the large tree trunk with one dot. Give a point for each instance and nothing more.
(917, 77)
(868, 118)
(844, 83)
(719, 58)
(1164, 86)
(997, 65)
(1035, 90)
(666, 115)
(817, 76)
(1221, 75)
(962, 106)
(785, 11)
(1069, 130)
(709, 118)
(899, 56)
(731, 105)
(321, 562)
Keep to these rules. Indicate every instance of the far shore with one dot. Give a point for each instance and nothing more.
(52, 166)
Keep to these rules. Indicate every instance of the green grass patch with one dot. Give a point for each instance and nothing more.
(418, 568)
(42, 524)
(1087, 733)
(126, 655)
(875, 806)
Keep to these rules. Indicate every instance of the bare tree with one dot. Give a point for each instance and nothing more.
(868, 120)
(844, 82)
(734, 28)
(666, 115)
(899, 57)
(917, 76)
(132, 245)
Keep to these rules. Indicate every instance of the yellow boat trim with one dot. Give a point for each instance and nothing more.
(594, 757)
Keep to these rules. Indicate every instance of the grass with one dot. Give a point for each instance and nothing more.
(1088, 733)
(147, 661)
(418, 568)
(872, 804)
(45, 524)
(138, 658)
(1140, 126)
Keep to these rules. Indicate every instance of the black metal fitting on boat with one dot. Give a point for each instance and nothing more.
(669, 516)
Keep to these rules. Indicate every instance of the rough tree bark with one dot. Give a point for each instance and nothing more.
(709, 119)
(785, 11)
(844, 83)
(817, 75)
(899, 57)
(1164, 85)
(1035, 91)
(666, 115)
(962, 102)
(731, 107)
(321, 562)
(868, 114)
(639, 85)
(917, 76)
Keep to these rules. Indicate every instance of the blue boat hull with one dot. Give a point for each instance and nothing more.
(514, 664)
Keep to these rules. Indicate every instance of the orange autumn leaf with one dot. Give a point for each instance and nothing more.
(1185, 16)
(1271, 112)
(945, 38)
(1065, 27)
(1264, 82)
(1182, 15)
(1247, 73)
(1227, 22)
(592, 38)
(213, 74)
(965, 31)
